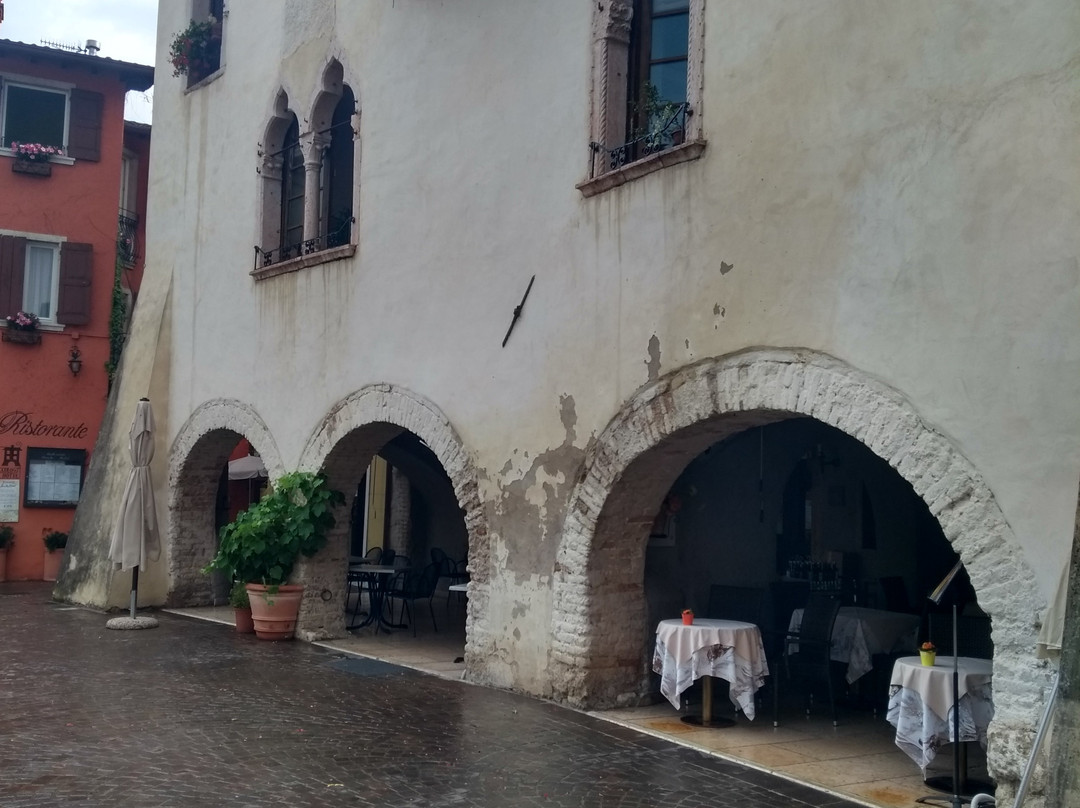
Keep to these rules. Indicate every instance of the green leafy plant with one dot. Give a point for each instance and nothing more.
(117, 323)
(263, 543)
(190, 50)
(55, 540)
(238, 596)
(7, 536)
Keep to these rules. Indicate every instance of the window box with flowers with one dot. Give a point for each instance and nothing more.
(195, 52)
(22, 327)
(33, 158)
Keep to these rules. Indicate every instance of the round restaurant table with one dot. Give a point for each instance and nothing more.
(726, 649)
(921, 704)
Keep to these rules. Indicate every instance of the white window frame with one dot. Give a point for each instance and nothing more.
(56, 242)
(42, 85)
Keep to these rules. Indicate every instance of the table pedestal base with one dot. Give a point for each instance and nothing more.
(714, 722)
(707, 719)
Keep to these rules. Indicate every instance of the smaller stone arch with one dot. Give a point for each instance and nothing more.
(349, 436)
(197, 456)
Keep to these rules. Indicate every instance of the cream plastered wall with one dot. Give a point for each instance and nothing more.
(890, 184)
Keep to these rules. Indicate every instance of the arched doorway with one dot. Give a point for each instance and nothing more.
(416, 439)
(600, 618)
(198, 468)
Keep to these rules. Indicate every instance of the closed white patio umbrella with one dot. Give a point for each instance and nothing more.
(135, 535)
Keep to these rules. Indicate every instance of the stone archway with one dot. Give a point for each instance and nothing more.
(346, 439)
(598, 617)
(198, 454)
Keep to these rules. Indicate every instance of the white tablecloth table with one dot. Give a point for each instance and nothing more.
(727, 649)
(921, 704)
(860, 633)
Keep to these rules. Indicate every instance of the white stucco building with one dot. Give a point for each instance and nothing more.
(853, 246)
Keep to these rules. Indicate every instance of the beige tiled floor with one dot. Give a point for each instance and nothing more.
(857, 760)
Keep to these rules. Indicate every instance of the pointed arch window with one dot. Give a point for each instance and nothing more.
(292, 193)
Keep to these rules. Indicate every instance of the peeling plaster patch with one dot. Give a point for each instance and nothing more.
(726, 268)
(520, 610)
(537, 499)
(688, 345)
(653, 362)
(517, 634)
(716, 308)
(568, 416)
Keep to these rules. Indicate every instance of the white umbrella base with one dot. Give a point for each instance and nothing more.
(131, 623)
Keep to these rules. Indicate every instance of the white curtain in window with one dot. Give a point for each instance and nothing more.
(38, 284)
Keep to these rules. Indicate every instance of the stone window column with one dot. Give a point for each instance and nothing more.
(270, 177)
(611, 58)
(314, 147)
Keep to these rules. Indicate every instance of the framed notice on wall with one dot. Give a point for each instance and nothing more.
(9, 500)
(54, 477)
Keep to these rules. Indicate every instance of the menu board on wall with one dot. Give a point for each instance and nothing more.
(54, 476)
(9, 500)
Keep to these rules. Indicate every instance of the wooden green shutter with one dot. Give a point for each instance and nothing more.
(12, 269)
(84, 125)
(76, 269)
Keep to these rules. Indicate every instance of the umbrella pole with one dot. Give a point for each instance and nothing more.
(134, 589)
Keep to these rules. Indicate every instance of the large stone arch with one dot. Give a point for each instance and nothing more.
(197, 456)
(347, 438)
(598, 615)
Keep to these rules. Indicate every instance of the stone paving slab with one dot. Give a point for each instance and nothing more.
(191, 714)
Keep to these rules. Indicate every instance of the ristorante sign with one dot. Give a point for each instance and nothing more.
(21, 423)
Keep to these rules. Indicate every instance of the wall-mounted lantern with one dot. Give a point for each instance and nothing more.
(74, 361)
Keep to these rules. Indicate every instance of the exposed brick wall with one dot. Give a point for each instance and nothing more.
(598, 616)
(196, 459)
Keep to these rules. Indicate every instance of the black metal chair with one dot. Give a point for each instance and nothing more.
(410, 586)
(811, 663)
(743, 603)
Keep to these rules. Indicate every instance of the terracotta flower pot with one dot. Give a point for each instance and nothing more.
(53, 560)
(244, 623)
(274, 613)
(688, 619)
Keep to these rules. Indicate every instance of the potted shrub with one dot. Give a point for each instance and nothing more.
(238, 599)
(7, 538)
(261, 546)
(55, 542)
(928, 654)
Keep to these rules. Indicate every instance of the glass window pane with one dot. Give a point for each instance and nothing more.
(664, 6)
(34, 116)
(669, 79)
(669, 37)
(38, 281)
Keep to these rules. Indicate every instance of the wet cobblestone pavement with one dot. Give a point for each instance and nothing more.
(191, 714)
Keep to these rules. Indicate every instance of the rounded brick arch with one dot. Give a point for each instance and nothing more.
(197, 456)
(598, 626)
(346, 440)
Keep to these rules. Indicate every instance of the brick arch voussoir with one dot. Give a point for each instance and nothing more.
(788, 382)
(189, 539)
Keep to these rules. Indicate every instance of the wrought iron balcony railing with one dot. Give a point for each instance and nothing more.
(666, 130)
(127, 248)
(335, 238)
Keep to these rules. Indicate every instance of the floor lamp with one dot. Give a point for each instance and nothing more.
(956, 800)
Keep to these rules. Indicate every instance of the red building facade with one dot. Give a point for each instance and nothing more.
(70, 234)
